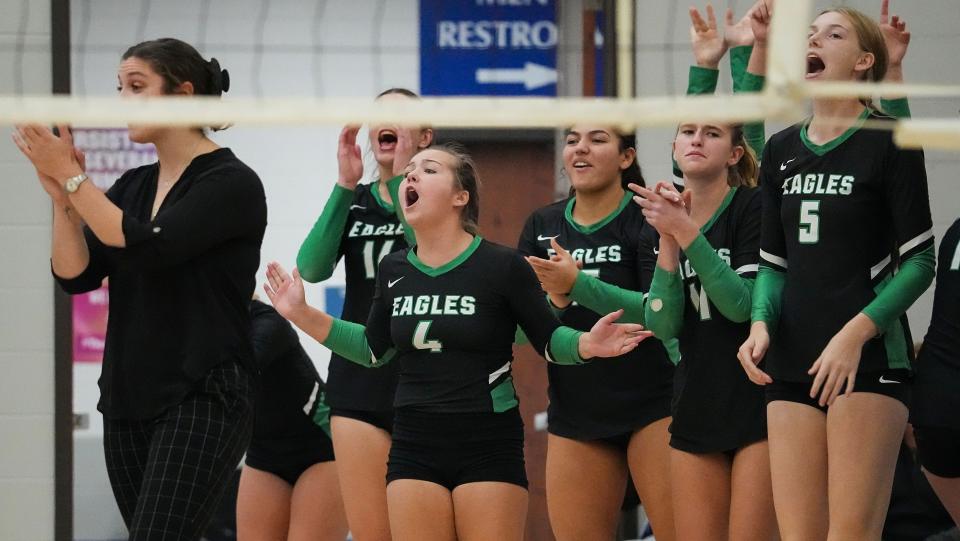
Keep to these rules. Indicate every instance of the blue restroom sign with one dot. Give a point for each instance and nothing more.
(488, 47)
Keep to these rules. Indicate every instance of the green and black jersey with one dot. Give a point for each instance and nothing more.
(936, 400)
(361, 228)
(291, 396)
(846, 229)
(616, 396)
(706, 304)
(451, 328)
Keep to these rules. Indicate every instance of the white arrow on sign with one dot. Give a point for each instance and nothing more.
(530, 75)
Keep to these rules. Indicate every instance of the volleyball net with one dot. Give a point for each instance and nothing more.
(785, 98)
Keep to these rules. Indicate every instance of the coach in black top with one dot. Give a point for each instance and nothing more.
(180, 241)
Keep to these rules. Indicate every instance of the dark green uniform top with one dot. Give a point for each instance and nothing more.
(936, 397)
(361, 228)
(451, 328)
(707, 306)
(838, 220)
(618, 395)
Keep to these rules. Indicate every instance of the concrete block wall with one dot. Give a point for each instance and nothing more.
(26, 294)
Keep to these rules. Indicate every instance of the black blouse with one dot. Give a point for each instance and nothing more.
(180, 290)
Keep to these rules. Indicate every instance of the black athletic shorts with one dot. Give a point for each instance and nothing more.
(893, 383)
(288, 458)
(381, 419)
(939, 450)
(452, 449)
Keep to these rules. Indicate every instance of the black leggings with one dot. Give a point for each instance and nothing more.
(169, 473)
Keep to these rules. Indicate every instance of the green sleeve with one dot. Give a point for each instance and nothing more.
(350, 341)
(743, 81)
(739, 60)
(729, 292)
(903, 289)
(564, 346)
(699, 81)
(897, 108)
(318, 254)
(702, 80)
(664, 310)
(754, 132)
(604, 298)
(768, 296)
(393, 186)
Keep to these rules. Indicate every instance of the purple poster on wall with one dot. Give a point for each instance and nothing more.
(109, 154)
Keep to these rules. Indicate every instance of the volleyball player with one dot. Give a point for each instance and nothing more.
(360, 225)
(180, 242)
(936, 405)
(605, 420)
(748, 58)
(288, 486)
(446, 311)
(842, 208)
(701, 291)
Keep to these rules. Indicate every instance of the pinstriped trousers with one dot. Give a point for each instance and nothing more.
(169, 473)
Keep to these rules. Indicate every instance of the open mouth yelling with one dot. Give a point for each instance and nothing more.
(815, 66)
(387, 140)
(410, 197)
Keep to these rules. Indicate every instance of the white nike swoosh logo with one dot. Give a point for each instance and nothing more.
(361, 207)
(883, 380)
(392, 283)
(541, 237)
(783, 166)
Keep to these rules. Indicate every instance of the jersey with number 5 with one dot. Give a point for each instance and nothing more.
(837, 219)
(372, 231)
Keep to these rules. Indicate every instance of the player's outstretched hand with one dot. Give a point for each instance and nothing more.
(285, 291)
(610, 339)
(557, 274)
(708, 45)
(895, 35)
(349, 158)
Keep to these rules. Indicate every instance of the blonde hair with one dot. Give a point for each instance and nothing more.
(747, 169)
(870, 39)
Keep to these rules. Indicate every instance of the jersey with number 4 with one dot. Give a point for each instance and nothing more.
(450, 329)
(372, 231)
(837, 219)
(598, 400)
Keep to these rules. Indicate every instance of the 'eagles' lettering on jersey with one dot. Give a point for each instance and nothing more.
(601, 254)
(361, 229)
(687, 270)
(820, 184)
(434, 305)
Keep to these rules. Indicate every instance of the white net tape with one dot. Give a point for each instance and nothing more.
(784, 99)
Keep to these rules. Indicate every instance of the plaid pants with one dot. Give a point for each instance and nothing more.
(169, 473)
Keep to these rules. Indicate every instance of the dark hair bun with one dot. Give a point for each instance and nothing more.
(219, 78)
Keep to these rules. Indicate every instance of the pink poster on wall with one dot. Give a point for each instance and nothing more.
(109, 154)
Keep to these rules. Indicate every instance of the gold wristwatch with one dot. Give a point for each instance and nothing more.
(73, 183)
